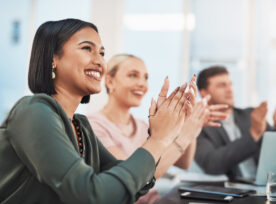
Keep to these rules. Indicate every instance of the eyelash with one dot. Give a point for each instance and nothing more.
(89, 49)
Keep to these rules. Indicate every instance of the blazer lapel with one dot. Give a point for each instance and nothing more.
(224, 135)
(218, 133)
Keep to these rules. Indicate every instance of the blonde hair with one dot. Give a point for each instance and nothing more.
(114, 63)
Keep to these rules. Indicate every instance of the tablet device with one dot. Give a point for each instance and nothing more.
(266, 164)
(205, 196)
(207, 189)
(267, 158)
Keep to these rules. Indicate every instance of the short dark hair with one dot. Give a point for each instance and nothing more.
(205, 74)
(49, 40)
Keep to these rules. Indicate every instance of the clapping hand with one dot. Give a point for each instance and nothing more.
(166, 120)
(274, 119)
(216, 112)
(190, 94)
(258, 121)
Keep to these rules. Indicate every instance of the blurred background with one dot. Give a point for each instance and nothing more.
(176, 38)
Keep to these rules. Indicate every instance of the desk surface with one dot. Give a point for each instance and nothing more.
(173, 198)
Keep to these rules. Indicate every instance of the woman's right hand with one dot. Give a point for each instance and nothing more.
(166, 121)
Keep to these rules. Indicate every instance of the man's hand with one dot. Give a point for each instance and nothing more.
(258, 121)
(274, 119)
(216, 113)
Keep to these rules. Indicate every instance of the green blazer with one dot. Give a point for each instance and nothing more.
(40, 163)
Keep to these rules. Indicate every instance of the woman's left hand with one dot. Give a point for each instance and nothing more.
(190, 95)
(216, 112)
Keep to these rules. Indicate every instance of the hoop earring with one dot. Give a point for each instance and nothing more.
(53, 73)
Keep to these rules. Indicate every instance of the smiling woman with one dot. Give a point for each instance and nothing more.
(81, 63)
(49, 154)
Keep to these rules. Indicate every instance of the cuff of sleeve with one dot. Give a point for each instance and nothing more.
(135, 172)
(140, 163)
(248, 142)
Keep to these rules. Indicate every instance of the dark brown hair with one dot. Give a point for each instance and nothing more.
(205, 74)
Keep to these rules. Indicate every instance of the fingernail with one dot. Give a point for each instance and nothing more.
(184, 86)
(204, 101)
(166, 78)
(151, 101)
(192, 90)
(177, 88)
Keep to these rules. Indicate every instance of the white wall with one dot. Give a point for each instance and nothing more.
(223, 34)
(108, 16)
(13, 56)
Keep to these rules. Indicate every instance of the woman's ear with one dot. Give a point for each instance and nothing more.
(55, 61)
(109, 83)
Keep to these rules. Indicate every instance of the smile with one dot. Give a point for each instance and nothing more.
(96, 74)
(140, 93)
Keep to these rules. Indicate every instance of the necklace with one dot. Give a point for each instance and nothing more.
(79, 136)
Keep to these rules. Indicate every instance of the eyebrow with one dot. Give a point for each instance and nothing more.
(91, 43)
(135, 70)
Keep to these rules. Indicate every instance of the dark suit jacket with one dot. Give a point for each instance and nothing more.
(216, 154)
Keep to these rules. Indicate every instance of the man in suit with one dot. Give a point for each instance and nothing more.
(232, 149)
